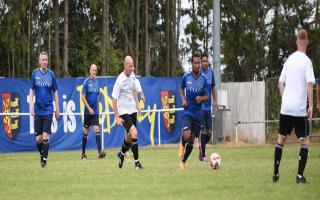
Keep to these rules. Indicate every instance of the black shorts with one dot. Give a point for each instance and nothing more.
(42, 123)
(193, 124)
(129, 120)
(90, 120)
(300, 125)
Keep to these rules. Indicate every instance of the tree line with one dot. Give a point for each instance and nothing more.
(256, 36)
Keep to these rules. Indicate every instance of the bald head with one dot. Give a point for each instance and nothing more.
(128, 65)
(93, 71)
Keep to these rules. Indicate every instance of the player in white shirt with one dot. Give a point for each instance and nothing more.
(295, 86)
(126, 108)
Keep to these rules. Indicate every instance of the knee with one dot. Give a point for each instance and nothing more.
(304, 142)
(281, 139)
(45, 136)
(85, 132)
(39, 139)
(96, 129)
(133, 132)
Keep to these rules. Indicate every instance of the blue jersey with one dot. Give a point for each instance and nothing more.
(44, 85)
(91, 90)
(210, 78)
(194, 87)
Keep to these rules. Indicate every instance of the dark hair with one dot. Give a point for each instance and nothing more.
(194, 55)
(204, 55)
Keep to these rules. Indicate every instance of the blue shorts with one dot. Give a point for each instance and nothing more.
(42, 123)
(207, 119)
(90, 120)
(193, 124)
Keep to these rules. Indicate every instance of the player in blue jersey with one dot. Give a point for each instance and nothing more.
(194, 90)
(206, 107)
(44, 88)
(90, 98)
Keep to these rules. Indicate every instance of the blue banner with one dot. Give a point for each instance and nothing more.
(17, 132)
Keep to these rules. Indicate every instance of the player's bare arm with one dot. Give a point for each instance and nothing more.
(183, 98)
(84, 100)
(310, 100)
(281, 88)
(135, 97)
(214, 96)
(116, 113)
(31, 108)
(56, 101)
(318, 96)
(201, 99)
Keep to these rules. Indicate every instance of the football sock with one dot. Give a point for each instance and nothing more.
(125, 147)
(303, 156)
(98, 141)
(45, 149)
(277, 158)
(39, 146)
(134, 148)
(84, 143)
(204, 140)
(188, 152)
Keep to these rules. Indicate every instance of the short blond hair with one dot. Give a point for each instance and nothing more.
(302, 34)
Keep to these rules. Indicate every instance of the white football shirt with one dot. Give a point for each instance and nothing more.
(123, 92)
(296, 73)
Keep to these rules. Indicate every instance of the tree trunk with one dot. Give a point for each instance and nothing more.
(56, 37)
(105, 34)
(173, 37)
(178, 33)
(147, 62)
(317, 20)
(66, 39)
(193, 37)
(29, 37)
(207, 29)
(167, 35)
(131, 21)
(49, 40)
(9, 71)
(137, 35)
(13, 67)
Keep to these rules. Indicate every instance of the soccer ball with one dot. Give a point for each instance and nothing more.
(215, 161)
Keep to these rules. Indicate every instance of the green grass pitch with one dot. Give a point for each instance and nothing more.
(245, 173)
